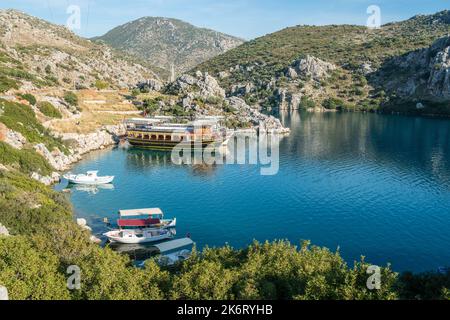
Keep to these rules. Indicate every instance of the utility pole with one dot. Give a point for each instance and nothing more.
(172, 73)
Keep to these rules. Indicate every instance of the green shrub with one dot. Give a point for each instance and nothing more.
(101, 85)
(214, 100)
(424, 286)
(306, 103)
(29, 97)
(29, 274)
(25, 160)
(21, 118)
(150, 106)
(49, 110)
(333, 103)
(7, 84)
(71, 98)
(135, 92)
(51, 81)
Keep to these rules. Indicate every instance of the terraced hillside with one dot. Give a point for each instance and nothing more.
(35, 53)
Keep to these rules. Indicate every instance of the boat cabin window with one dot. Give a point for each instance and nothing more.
(168, 138)
(146, 137)
(153, 137)
(160, 137)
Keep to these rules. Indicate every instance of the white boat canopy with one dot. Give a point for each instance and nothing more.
(174, 244)
(140, 212)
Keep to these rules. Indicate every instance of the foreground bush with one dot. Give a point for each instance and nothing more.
(30, 274)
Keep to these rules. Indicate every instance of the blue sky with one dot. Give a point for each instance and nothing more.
(243, 18)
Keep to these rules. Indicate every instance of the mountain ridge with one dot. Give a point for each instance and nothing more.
(169, 42)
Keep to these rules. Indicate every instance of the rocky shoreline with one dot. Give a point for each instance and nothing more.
(83, 143)
(202, 95)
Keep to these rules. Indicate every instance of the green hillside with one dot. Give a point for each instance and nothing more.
(355, 50)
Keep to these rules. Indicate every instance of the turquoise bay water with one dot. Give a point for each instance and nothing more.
(372, 185)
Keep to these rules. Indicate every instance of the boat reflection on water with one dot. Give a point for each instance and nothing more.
(136, 252)
(166, 253)
(146, 159)
(91, 189)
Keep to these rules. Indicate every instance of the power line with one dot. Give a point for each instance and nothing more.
(50, 9)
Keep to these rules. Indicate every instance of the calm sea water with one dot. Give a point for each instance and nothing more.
(372, 185)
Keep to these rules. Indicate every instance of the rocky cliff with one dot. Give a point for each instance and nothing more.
(421, 76)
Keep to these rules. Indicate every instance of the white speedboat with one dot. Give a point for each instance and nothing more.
(137, 236)
(90, 178)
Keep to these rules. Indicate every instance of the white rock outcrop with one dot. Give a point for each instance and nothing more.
(3, 231)
(13, 138)
(47, 180)
(288, 100)
(3, 293)
(310, 66)
(202, 84)
(81, 222)
(265, 123)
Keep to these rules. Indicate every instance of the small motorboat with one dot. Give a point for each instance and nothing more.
(137, 236)
(90, 178)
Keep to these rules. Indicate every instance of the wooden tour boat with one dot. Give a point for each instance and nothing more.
(162, 134)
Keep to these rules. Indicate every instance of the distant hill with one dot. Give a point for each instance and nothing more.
(261, 70)
(36, 53)
(165, 42)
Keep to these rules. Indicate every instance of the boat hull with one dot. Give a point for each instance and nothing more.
(169, 145)
(97, 181)
(114, 237)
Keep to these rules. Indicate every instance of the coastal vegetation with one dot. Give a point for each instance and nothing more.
(49, 110)
(21, 118)
(29, 97)
(71, 98)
